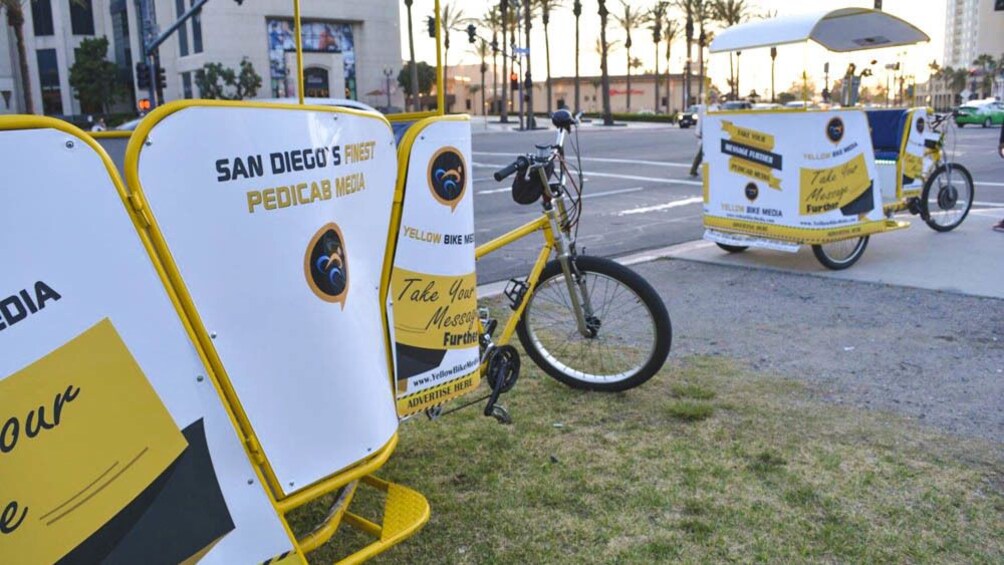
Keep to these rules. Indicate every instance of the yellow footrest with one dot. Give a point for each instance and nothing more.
(405, 512)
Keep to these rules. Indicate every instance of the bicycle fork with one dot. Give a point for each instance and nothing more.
(577, 291)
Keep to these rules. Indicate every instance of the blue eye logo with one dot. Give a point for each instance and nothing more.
(835, 130)
(326, 265)
(448, 176)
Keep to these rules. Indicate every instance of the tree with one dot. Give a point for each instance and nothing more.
(689, 8)
(506, 53)
(671, 33)
(629, 19)
(93, 76)
(482, 49)
(608, 119)
(730, 13)
(217, 82)
(415, 103)
(452, 18)
(988, 71)
(493, 21)
(546, 6)
(702, 14)
(528, 14)
(657, 16)
(577, 11)
(426, 79)
(15, 19)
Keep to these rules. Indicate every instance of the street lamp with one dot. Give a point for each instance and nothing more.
(387, 73)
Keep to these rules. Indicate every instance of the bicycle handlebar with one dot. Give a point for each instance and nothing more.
(520, 163)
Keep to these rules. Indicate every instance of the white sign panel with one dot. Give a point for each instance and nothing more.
(805, 176)
(114, 445)
(433, 286)
(278, 222)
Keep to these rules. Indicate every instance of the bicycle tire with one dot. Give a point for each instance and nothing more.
(839, 264)
(952, 198)
(566, 355)
(732, 248)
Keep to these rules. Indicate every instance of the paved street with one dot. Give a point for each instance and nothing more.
(638, 192)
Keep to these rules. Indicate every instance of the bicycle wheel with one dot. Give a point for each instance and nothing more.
(630, 325)
(947, 197)
(840, 254)
(732, 248)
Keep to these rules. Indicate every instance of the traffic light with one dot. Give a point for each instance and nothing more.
(143, 105)
(878, 4)
(161, 79)
(431, 23)
(472, 33)
(142, 75)
(513, 82)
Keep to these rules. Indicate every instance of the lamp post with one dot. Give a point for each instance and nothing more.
(387, 73)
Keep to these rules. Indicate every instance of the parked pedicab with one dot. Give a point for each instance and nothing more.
(780, 179)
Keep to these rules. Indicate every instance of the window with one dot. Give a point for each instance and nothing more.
(48, 76)
(41, 17)
(196, 31)
(179, 7)
(186, 85)
(81, 17)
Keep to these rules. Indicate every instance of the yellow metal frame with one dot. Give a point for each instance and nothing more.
(541, 224)
(138, 221)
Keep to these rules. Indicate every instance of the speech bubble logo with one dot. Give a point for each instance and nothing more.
(326, 265)
(448, 177)
(835, 130)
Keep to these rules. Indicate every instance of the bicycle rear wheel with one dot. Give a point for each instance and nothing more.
(947, 197)
(630, 327)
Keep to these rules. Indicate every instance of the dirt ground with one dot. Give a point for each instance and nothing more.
(933, 356)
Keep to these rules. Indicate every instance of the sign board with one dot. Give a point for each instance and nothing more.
(918, 160)
(807, 177)
(114, 444)
(433, 286)
(277, 219)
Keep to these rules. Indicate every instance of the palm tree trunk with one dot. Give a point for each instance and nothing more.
(669, 80)
(415, 102)
(15, 19)
(527, 23)
(484, 109)
(686, 71)
(495, 78)
(732, 77)
(738, 92)
(504, 111)
(577, 97)
(446, 75)
(628, 77)
(700, 66)
(655, 106)
(608, 119)
(547, 56)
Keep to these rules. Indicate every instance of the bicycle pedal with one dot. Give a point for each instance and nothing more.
(500, 413)
(515, 290)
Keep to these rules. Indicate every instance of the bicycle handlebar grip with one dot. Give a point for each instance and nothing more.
(509, 169)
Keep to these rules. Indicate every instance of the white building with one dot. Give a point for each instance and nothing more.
(972, 28)
(348, 46)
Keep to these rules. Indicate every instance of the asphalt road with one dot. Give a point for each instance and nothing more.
(639, 194)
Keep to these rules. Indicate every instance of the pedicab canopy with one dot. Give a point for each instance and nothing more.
(843, 30)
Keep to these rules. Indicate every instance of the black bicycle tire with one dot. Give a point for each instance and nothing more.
(732, 248)
(829, 263)
(927, 190)
(637, 284)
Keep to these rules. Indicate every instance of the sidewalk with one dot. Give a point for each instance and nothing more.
(968, 260)
(490, 124)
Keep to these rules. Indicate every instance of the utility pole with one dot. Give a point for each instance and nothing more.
(387, 74)
(518, 33)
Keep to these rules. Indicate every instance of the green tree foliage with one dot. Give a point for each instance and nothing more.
(426, 77)
(217, 82)
(93, 76)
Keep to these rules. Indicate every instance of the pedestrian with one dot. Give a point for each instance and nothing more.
(702, 111)
(1000, 151)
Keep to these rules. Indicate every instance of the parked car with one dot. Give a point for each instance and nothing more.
(688, 117)
(984, 114)
(737, 105)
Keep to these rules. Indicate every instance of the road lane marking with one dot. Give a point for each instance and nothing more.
(603, 160)
(660, 207)
(983, 183)
(495, 190)
(612, 192)
(588, 174)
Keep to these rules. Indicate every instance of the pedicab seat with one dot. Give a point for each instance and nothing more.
(887, 132)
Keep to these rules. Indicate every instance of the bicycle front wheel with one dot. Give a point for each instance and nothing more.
(947, 197)
(630, 330)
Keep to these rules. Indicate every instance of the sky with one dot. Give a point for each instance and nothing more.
(928, 15)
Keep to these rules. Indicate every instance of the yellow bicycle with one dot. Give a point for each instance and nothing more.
(589, 322)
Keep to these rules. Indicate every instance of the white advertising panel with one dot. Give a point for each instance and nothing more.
(918, 160)
(433, 286)
(277, 220)
(807, 177)
(114, 444)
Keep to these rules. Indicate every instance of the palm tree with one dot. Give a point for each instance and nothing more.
(629, 19)
(414, 68)
(451, 18)
(493, 21)
(702, 14)
(608, 119)
(503, 21)
(15, 19)
(545, 15)
(482, 49)
(657, 15)
(529, 12)
(672, 31)
(577, 11)
(989, 66)
(689, 8)
(730, 13)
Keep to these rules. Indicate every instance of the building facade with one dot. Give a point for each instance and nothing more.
(350, 48)
(973, 28)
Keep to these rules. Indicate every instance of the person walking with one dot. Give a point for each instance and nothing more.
(1000, 151)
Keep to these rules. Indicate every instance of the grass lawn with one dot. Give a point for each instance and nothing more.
(707, 462)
